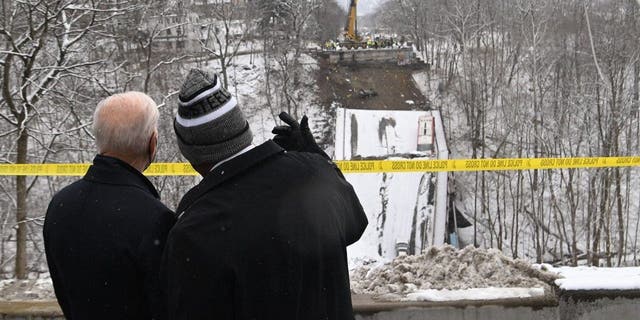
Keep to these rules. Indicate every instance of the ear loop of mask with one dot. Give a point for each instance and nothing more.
(150, 156)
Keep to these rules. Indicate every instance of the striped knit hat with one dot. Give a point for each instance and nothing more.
(209, 126)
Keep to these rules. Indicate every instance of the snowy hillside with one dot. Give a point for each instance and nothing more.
(246, 81)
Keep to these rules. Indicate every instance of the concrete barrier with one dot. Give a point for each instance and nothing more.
(583, 305)
(587, 305)
(30, 310)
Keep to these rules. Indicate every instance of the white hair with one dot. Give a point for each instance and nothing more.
(124, 123)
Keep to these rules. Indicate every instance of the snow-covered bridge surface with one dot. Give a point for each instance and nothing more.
(399, 211)
(377, 133)
(402, 208)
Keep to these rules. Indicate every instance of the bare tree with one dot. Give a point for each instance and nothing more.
(224, 31)
(285, 35)
(42, 46)
(539, 79)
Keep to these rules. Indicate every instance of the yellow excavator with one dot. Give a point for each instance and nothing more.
(351, 37)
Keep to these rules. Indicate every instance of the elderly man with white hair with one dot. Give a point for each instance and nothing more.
(104, 234)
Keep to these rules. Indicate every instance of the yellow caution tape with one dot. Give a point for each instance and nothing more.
(48, 169)
(79, 169)
(365, 166)
(484, 164)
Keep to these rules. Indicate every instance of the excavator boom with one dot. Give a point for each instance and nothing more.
(351, 29)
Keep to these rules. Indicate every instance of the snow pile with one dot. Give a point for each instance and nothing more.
(593, 278)
(445, 269)
(474, 294)
(33, 289)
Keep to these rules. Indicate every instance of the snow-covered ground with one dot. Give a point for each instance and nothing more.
(592, 278)
(246, 82)
(33, 289)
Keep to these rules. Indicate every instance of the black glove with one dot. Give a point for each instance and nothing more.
(296, 137)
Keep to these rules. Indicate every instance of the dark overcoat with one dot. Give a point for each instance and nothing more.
(264, 236)
(104, 236)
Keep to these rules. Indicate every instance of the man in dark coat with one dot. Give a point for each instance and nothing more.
(264, 235)
(104, 234)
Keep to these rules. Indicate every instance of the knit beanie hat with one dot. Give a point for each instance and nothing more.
(209, 126)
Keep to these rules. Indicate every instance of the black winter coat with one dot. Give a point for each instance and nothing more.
(104, 237)
(264, 236)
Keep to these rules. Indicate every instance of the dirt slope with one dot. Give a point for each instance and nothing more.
(393, 85)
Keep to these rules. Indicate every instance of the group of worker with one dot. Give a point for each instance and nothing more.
(368, 42)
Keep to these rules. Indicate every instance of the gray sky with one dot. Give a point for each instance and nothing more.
(364, 6)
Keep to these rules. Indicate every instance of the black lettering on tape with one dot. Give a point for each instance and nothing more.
(366, 166)
(472, 164)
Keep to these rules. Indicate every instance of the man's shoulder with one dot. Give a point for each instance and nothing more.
(153, 209)
(306, 159)
(69, 198)
(84, 187)
(81, 190)
(71, 191)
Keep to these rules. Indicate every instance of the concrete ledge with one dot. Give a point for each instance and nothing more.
(567, 305)
(365, 304)
(35, 308)
(589, 295)
(362, 304)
